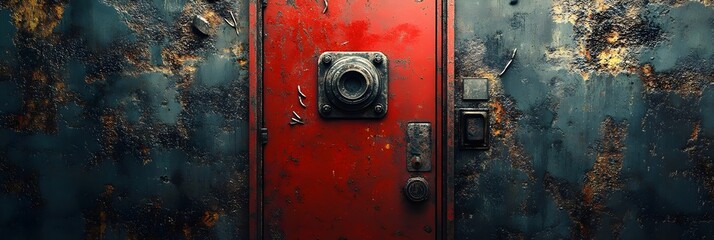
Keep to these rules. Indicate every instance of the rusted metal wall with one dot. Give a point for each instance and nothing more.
(601, 126)
(119, 119)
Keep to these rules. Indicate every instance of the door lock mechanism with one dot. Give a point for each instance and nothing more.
(352, 85)
(418, 147)
(417, 189)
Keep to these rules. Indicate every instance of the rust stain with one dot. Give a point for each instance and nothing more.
(677, 3)
(37, 17)
(184, 65)
(612, 37)
(209, 218)
(504, 122)
(695, 132)
(109, 132)
(213, 18)
(608, 39)
(186, 230)
(97, 222)
(140, 58)
(39, 104)
(586, 206)
(647, 70)
(696, 149)
(144, 154)
(504, 117)
(685, 81)
(604, 177)
(19, 182)
(499, 116)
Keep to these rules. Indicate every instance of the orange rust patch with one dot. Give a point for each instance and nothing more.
(647, 70)
(185, 65)
(145, 154)
(186, 230)
(39, 76)
(607, 41)
(38, 17)
(110, 135)
(604, 177)
(108, 189)
(212, 18)
(498, 116)
(695, 132)
(102, 224)
(612, 59)
(142, 60)
(679, 3)
(686, 82)
(96, 226)
(696, 148)
(210, 218)
(612, 37)
(39, 104)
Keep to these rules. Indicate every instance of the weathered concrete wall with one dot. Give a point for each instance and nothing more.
(602, 125)
(119, 119)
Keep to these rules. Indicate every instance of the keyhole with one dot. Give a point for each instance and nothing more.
(352, 85)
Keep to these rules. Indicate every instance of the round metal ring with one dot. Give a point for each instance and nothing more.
(417, 189)
(352, 83)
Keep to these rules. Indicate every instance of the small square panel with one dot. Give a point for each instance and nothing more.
(475, 89)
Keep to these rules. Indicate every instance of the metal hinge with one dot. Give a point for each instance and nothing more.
(264, 135)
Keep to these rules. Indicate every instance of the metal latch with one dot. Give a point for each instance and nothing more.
(418, 147)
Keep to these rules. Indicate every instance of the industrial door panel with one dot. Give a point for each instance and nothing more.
(350, 103)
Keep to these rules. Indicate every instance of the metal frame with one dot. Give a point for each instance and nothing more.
(255, 119)
(461, 134)
(447, 127)
(445, 51)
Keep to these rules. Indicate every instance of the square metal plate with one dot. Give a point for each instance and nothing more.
(475, 89)
(330, 106)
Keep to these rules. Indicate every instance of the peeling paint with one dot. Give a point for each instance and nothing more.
(608, 33)
(686, 81)
(38, 17)
(110, 115)
(604, 176)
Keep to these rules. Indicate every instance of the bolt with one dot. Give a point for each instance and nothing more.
(326, 109)
(202, 25)
(377, 59)
(327, 59)
(379, 108)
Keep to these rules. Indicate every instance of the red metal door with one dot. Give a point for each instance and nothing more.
(344, 178)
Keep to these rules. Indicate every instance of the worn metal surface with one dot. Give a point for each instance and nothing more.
(475, 89)
(352, 84)
(419, 147)
(119, 119)
(602, 125)
(473, 129)
(345, 178)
